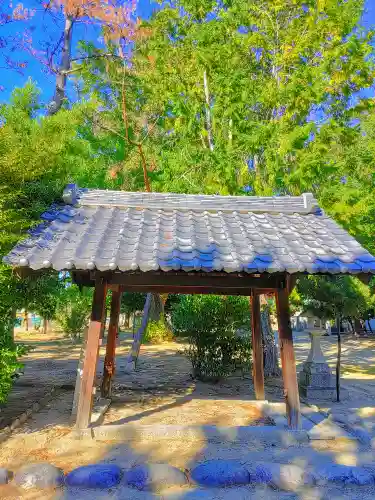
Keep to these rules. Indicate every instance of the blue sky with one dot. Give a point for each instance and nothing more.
(42, 24)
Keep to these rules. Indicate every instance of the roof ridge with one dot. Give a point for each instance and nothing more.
(303, 204)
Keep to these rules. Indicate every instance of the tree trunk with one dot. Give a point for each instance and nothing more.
(133, 326)
(157, 307)
(11, 326)
(270, 356)
(26, 320)
(45, 325)
(61, 76)
(352, 325)
(338, 366)
(357, 326)
(127, 321)
(132, 358)
(208, 111)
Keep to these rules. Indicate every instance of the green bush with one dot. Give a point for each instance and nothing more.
(73, 311)
(157, 332)
(218, 330)
(9, 354)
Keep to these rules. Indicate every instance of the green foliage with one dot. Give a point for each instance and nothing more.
(44, 294)
(132, 302)
(157, 332)
(218, 329)
(9, 355)
(287, 115)
(329, 297)
(38, 157)
(74, 311)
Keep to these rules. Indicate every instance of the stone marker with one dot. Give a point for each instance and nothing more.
(39, 476)
(94, 476)
(316, 380)
(153, 477)
(218, 473)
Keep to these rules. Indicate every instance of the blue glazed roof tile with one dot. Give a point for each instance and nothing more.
(150, 231)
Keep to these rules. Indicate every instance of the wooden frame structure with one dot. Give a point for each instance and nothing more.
(188, 244)
(220, 283)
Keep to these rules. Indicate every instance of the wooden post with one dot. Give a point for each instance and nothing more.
(109, 362)
(77, 388)
(338, 366)
(91, 355)
(288, 362)
(258, 371)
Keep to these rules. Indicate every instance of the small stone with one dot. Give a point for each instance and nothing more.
(218, 473)
(345, 474)
(94, 476)
(153, 477)
(5, 475)
(283, 476)
(39, 476)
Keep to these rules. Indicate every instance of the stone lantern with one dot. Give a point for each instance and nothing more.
(315, 380)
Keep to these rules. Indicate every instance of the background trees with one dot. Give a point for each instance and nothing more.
(335, 298)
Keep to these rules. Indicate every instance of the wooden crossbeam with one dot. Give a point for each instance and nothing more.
(219, 283)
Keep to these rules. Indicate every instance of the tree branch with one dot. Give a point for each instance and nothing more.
(96, 56)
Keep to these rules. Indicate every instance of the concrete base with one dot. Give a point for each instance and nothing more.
(269, 435)
(318, 393)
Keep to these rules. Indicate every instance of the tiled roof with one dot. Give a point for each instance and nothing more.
(110, 230)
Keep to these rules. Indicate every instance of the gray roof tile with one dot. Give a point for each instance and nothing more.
(150, 231)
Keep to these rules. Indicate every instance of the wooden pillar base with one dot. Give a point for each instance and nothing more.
(91, 356)
(258, 370)
(288, 361)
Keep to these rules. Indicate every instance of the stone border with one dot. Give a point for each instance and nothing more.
(21, 419)
(206, 433)
(214, 473)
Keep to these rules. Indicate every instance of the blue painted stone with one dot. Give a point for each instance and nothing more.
(286, 477)
(218, 473)
(39, 476)
(154, 476)
(261, 473)
(342, 473)
(94, 476)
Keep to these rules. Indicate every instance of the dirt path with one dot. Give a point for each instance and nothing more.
(161, 391)
(162, 385)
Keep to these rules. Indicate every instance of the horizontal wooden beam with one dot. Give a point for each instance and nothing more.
(187, 290)
(186, 282)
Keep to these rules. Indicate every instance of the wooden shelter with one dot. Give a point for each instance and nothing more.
(190, 244)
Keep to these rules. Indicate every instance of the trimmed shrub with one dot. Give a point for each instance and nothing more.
(73, 312)
(218, 330)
